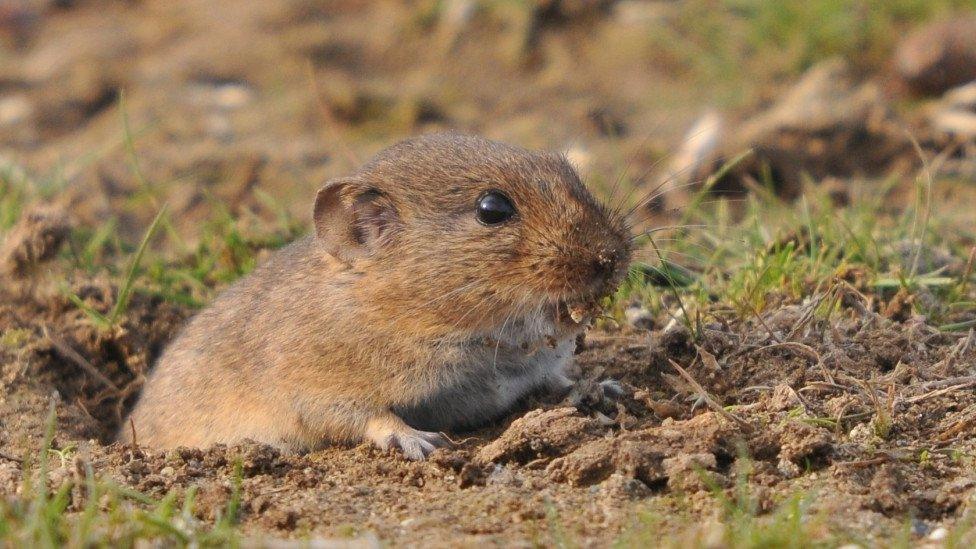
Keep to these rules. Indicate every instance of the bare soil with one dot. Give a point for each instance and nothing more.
(872, 410)
(847, 408)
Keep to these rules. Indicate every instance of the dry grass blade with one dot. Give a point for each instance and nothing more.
(938, 384)
(940, 392)
(809, 312)
(67, 352)
(710, 400)
(822, 386)
(923, 203)
(967, 271)
(800, 348)
(884, 458)
(8, 457)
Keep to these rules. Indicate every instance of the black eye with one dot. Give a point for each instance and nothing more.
(494, 208)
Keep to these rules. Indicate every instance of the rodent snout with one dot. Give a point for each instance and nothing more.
(603, 268)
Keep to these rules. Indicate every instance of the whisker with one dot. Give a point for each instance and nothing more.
(654, 165)
(647, 199)
(666, 253)
(626, 171)
(671, 227)
(498, 341)
(698, 245)
(678, 210)
(634, 189)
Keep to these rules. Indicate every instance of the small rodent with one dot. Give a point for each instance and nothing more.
(444, 281)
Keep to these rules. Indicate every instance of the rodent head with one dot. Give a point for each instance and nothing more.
(473, 233)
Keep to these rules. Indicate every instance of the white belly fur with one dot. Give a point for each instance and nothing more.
(491, 382)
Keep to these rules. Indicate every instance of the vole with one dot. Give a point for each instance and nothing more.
(445, 280)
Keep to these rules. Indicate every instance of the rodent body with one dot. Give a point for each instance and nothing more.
(412, 309)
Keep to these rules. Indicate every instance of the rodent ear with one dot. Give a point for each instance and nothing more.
(353, 219)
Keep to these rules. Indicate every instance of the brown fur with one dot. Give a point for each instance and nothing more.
(401, 306)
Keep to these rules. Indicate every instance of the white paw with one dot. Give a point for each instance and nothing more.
(612, 389)
(588, 392)
(415, 445)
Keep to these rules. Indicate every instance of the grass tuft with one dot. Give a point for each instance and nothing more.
(110, 515)
(110, 320)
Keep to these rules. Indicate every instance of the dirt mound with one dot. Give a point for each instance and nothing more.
(938, 56)
(53, 349)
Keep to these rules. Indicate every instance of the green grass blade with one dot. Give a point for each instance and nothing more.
(958, 326)
(126, 289)
(96, 317)
(98, 241)
(130, 146)
(706, 188)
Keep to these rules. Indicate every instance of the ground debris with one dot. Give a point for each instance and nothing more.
(539, 434)
(938, 56)
(34, 240)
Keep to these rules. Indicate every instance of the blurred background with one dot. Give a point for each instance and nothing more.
(245, 107)
(811, 166)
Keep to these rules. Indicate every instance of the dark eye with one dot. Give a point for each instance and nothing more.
(494, 208)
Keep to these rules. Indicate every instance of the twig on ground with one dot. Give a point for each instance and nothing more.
(938, 384)
(803, 349)
(67, 352)
(8, 457)
(939, 392)
(953, 431)
(822, 386)
(884, 458)
(967, 343)
(709, 400)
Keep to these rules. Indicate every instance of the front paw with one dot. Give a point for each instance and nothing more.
(612, 389)
(588, 393)
(415, 445)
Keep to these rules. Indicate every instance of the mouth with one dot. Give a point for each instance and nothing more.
(559, 319)
(576, 313)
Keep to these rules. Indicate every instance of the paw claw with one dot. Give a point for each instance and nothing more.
(438, 440)
(612, 389)
(413, 444)
(417, 445)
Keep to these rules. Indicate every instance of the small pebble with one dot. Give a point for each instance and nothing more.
(232, 96)
(788, 469)
(919, 528)
(639, 317)
(14, 109)
(939, 534)
(579, 157)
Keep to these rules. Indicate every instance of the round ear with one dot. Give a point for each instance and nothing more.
(353, 219)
